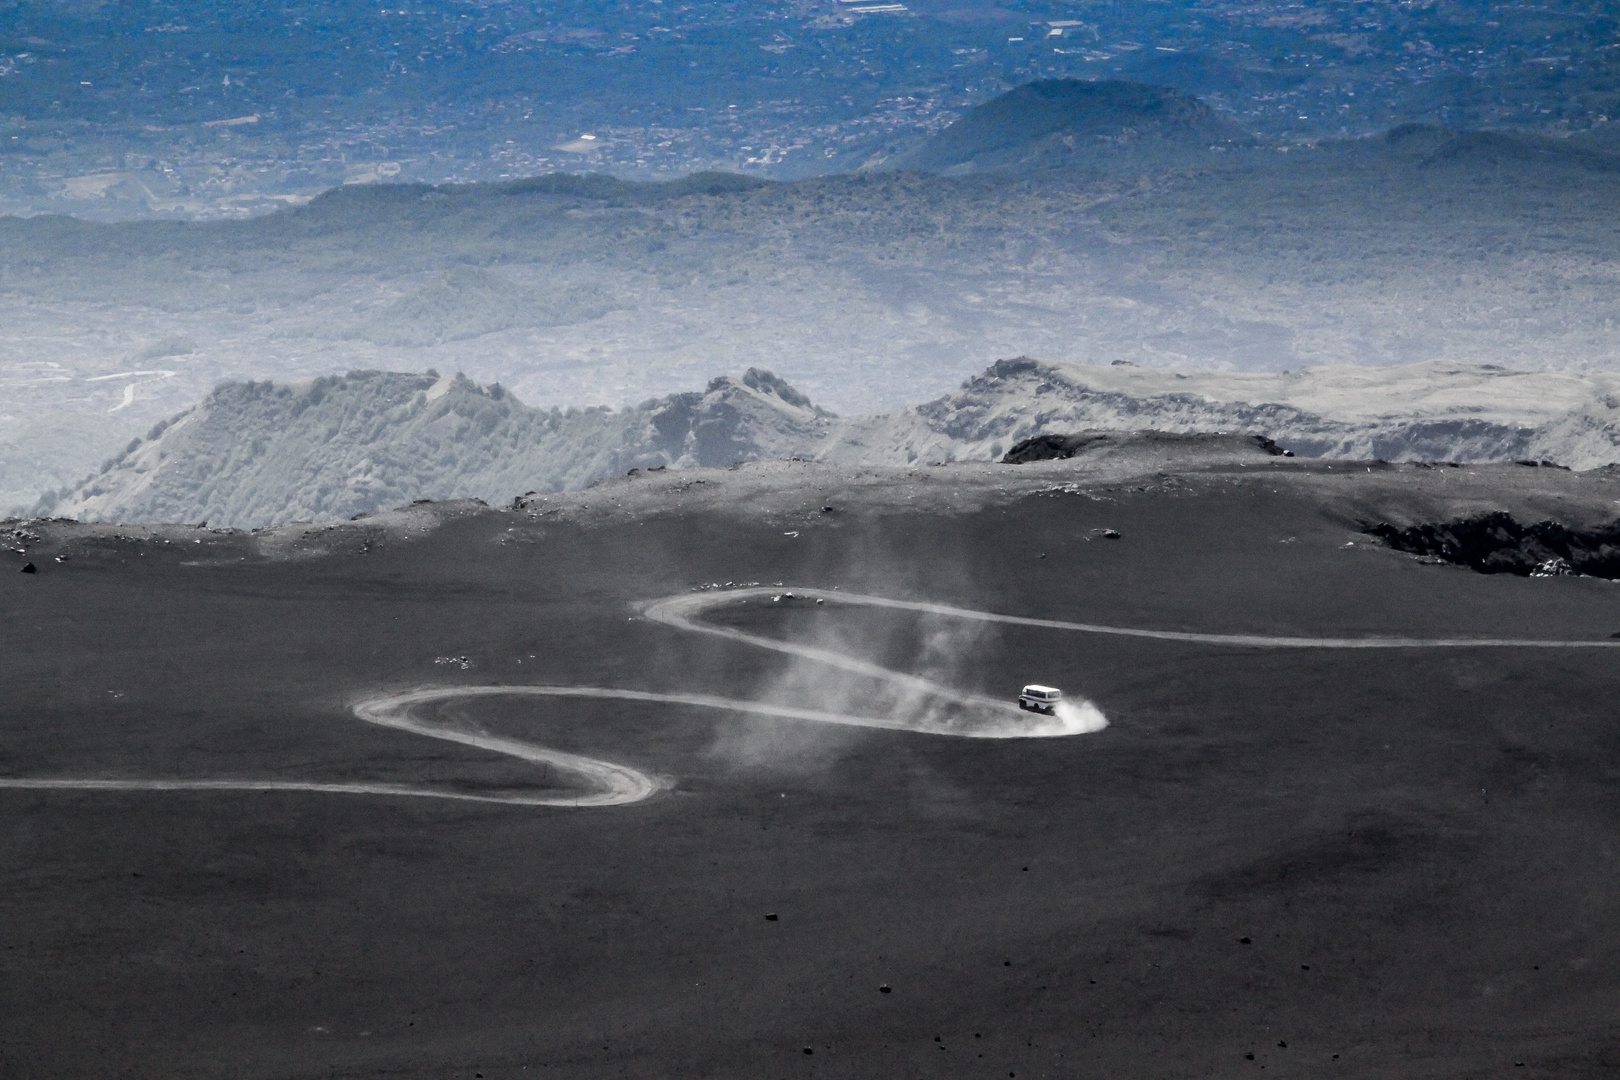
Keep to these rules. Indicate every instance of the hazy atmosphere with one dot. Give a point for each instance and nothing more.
(191, 109)
(1173, 186)
(822, 538)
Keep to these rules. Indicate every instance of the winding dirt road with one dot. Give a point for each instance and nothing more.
(605, 783)
(679, 610)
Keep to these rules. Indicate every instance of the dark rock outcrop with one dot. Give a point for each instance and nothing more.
(1495, 543)
(1052, 447)
(1058, 447)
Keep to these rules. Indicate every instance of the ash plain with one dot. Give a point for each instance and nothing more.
(1356, 862)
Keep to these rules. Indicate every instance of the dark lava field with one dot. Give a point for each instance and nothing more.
(1275, 860)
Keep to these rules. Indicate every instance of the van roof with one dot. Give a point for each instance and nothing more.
(1036, 688)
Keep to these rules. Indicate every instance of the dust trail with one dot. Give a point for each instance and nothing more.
(1080, 718)
(606, 783)
(279, 785)
(915, 707)
(680, 611)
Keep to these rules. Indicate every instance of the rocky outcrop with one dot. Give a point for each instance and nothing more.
(1063, 447)
(1497, 544)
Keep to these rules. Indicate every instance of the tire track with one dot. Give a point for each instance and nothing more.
(679, 610)
(606, 783)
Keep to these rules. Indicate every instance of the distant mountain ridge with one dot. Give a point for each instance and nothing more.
(259, 453)
(1432, 411)
(1056, 123)
(255, 454)
(1424, 243)
(1441, 146)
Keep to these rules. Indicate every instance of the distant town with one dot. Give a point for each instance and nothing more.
(175, 118)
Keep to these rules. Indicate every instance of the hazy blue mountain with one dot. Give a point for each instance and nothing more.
(1057, 123)
(1495, 150)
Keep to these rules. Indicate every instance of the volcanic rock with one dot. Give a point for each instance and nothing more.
(1495, 543)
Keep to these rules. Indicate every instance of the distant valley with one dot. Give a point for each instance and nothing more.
(1159, 237)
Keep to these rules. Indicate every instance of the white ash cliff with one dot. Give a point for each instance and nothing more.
(1434, 411)
(255, 454)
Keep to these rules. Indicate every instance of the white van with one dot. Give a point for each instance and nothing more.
(1041, 699)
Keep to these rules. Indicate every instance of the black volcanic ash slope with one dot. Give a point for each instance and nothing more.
(1336, 849)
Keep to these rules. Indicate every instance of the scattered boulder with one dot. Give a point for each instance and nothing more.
(28, 568)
